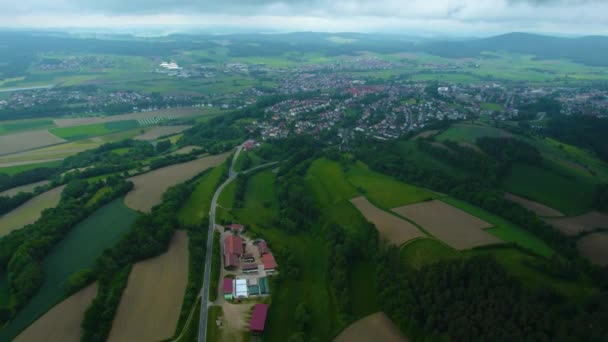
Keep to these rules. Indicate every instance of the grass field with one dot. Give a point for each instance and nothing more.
(312, 285)
(410, 151)
(385, 191)
(260, 207)
(62, 322)
(198, 205)
(95, 130)
(453, 226)
(424, 252)
(569, 194)
(150, 305)
(191, 330)
(11, 170)
(149, 187)
(492, 106)
(469, 133)
(25, 125)
(504, 229)
(213, 331)
(30, 211)
(77, 251)
(329, 183)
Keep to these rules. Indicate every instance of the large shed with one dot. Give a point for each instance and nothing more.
(258, 318)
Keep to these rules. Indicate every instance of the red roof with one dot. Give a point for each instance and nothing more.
(231, 260)
(248, 267)
(258, 318)
(233, 245)
(228, 285)
(269, 262)
(263, 247)
(235, 227)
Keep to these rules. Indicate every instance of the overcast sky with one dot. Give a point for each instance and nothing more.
(413, 17)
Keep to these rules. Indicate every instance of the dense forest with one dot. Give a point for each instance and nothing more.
(588, 132)
(475, 300)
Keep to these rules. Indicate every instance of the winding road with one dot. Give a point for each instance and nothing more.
(202, 327)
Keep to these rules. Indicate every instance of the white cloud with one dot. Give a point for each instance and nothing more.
(465, 17)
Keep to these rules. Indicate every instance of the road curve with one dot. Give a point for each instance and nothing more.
(202, 327)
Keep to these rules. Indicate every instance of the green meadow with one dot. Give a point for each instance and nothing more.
(198, 205)
(77, 251)
(469, 133)
(25, 125)
(11, 170)
(95, 130)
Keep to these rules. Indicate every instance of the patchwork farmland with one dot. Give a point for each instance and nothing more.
(394, 229)
(575, 225)
(150, 186)
(375, 327)
(29, 211)
(151, 303)
(144, 118)
(449, 224)
(62, 322)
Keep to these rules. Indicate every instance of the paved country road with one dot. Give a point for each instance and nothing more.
(202, 328)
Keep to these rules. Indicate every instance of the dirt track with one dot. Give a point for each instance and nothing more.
(574, 225)
(449, 224)
(150, 186)
(538, 208)
(373, 328)
(594, 247)
(62, 322)
(395, 230)
(150, 306)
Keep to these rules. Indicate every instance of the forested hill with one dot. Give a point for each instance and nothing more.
(592, 50)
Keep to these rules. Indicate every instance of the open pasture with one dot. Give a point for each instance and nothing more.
(77, 251)
(24, 188)
(385, 191)
(62, 322)
(538, 208)
(151, 303)
(572, 226)
(375, 327)
(199, 203)
(11, 170)
(424, 252)
(392, 228)
(149, 187)
(10, 127)
(94, 130)
(162, 131)
(19, 142)
(143, 117)
(29, 211)
(449, 224)
(551, 186)
(469, 133)
(594, 247)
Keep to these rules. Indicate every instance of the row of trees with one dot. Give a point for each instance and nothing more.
(149, 236)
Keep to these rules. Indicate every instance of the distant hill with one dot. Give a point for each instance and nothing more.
(592, 50)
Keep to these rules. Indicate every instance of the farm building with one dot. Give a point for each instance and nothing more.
(263, 247)
(235, 227)
(228, 288)
(249, 144)
(258, 318)
(269, 263)
(233, 249)
(258, 286)
(248, 257)
(240, 288)
(250, 268)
